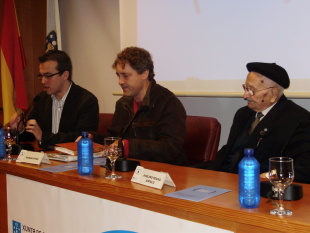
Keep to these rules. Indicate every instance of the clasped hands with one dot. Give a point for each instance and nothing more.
(32, 126)
(104, 152)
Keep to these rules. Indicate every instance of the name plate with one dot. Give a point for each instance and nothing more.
(151, 178)
(32, 157)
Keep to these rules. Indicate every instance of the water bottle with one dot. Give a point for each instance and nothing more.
(2, 142)
(249, 180)
(85, 155)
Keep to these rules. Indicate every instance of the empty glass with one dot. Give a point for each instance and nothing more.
(113, 149)
(281, 175)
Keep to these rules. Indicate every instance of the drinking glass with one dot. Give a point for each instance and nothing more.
(113, 149)
(281, 175)
(9, 140)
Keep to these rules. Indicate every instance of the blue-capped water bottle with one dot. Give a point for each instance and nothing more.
(85, 155)
(2, 142)
(249, 180)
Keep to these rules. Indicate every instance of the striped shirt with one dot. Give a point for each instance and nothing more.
(57, 110)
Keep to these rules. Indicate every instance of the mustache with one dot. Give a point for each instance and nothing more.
(248, 99)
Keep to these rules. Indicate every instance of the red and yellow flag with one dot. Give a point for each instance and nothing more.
(12, 63)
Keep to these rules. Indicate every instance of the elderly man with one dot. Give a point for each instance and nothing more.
(63, 110)
(270, 124)
(149, 117)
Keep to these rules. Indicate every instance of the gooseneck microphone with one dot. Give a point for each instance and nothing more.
(16, 148)
(303, 124)
(122, 164)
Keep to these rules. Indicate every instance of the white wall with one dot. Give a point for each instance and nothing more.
(91, 33)
(215, 39)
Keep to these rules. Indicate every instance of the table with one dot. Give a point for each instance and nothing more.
(222, 211)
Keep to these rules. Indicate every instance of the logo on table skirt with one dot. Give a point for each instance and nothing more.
(119, 231)
(19, 228)
(16, 227)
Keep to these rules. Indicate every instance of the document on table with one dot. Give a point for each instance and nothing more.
(71, 166)
(71, 148)
(197, 193)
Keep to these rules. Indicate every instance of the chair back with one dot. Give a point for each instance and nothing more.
(202, 139)
(202, 136)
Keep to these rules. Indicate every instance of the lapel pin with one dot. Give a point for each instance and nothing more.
(263, 132)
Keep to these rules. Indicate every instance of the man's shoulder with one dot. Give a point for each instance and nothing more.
(162, 91)
(291, 108)
(81, 91)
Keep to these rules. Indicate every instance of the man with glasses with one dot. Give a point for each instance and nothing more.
(270, 124)
(63, 110)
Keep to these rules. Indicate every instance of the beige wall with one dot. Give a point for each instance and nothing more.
(91, 36)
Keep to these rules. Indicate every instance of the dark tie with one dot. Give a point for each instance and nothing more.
(255, 122)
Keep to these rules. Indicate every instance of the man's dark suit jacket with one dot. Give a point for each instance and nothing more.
(80, 113)
(285, 122)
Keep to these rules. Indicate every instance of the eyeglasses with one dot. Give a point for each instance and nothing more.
(251, 92)
(47, 77)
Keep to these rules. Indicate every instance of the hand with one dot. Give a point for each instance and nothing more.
(15, 118)
(34, 128)
(79, 138)
(264, 175)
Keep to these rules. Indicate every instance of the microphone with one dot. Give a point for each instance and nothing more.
(16, 148)
(122, 164)
(303, 124)
(24, 114)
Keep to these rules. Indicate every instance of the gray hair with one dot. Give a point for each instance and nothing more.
(271, 83)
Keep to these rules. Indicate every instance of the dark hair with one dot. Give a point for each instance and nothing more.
(62, 59)
(138, 58)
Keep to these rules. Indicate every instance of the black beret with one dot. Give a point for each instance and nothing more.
(272, 71)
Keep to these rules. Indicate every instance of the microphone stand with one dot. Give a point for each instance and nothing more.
(17, 147)
(122, 164)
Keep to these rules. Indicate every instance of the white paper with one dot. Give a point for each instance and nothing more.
(197, 193)
(32, 157)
